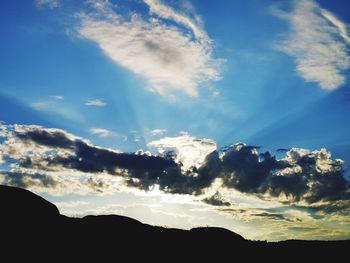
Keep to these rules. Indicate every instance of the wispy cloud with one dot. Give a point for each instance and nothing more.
(100, 132)
(96, 103)
(57, 97)
(157, 132)
(54, 107)
(172, 58)
(48, 3)
(41, 105)
(318, 41)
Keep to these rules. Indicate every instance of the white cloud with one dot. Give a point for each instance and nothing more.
(158, 8)
(157, 132)
(342, 27)
(171, 58)
(100, 132)
(96, 102)
(57, 97)
(48, 3)
(319, 43)
(189, 150)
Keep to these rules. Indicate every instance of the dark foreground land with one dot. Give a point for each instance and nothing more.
(33, 228)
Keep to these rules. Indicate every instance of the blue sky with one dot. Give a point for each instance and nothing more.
(127, 74)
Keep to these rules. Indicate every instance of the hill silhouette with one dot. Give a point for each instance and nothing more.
(34, 225)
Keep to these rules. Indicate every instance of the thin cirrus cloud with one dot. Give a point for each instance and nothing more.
(157, 132)
(57, 97)
(95, 102)
(55, 106)
(51, 4)
(171, 58)
(319, 43)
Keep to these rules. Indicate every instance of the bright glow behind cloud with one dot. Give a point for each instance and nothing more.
(170, 58)
(318, 42)
(189, 151)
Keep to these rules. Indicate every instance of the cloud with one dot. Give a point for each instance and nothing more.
(277, 217)
(302, 175)
(55, 159)
(48, 3)
(168, 49)
(27, 179)
(157, 132)
(216, 200)
(96, 103)
(318, 41)
(58, 97)
(187, 150)
(158, 8)
(100, 132)
(55, 107)
(41, 105)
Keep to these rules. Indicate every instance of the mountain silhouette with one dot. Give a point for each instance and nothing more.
(30, 223)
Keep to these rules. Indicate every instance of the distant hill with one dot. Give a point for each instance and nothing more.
(30, 223)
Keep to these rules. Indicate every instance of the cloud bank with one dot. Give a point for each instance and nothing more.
(168, 49)
(46, 158)
(319, 43)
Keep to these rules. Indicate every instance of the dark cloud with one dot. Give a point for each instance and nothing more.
(216, 200)
(273, 216)
(83, 156)
(301, 229)
(50, 137)
(300, 176)
(174, 180)
(87, 158)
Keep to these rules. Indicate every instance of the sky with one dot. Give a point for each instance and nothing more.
(181, 113)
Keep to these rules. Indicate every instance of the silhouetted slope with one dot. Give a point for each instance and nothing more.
(34, 225)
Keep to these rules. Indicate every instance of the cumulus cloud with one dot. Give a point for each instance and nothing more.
(47, 158)
(318, 41)
(172, 57)
(48, 3)
(96, 103)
